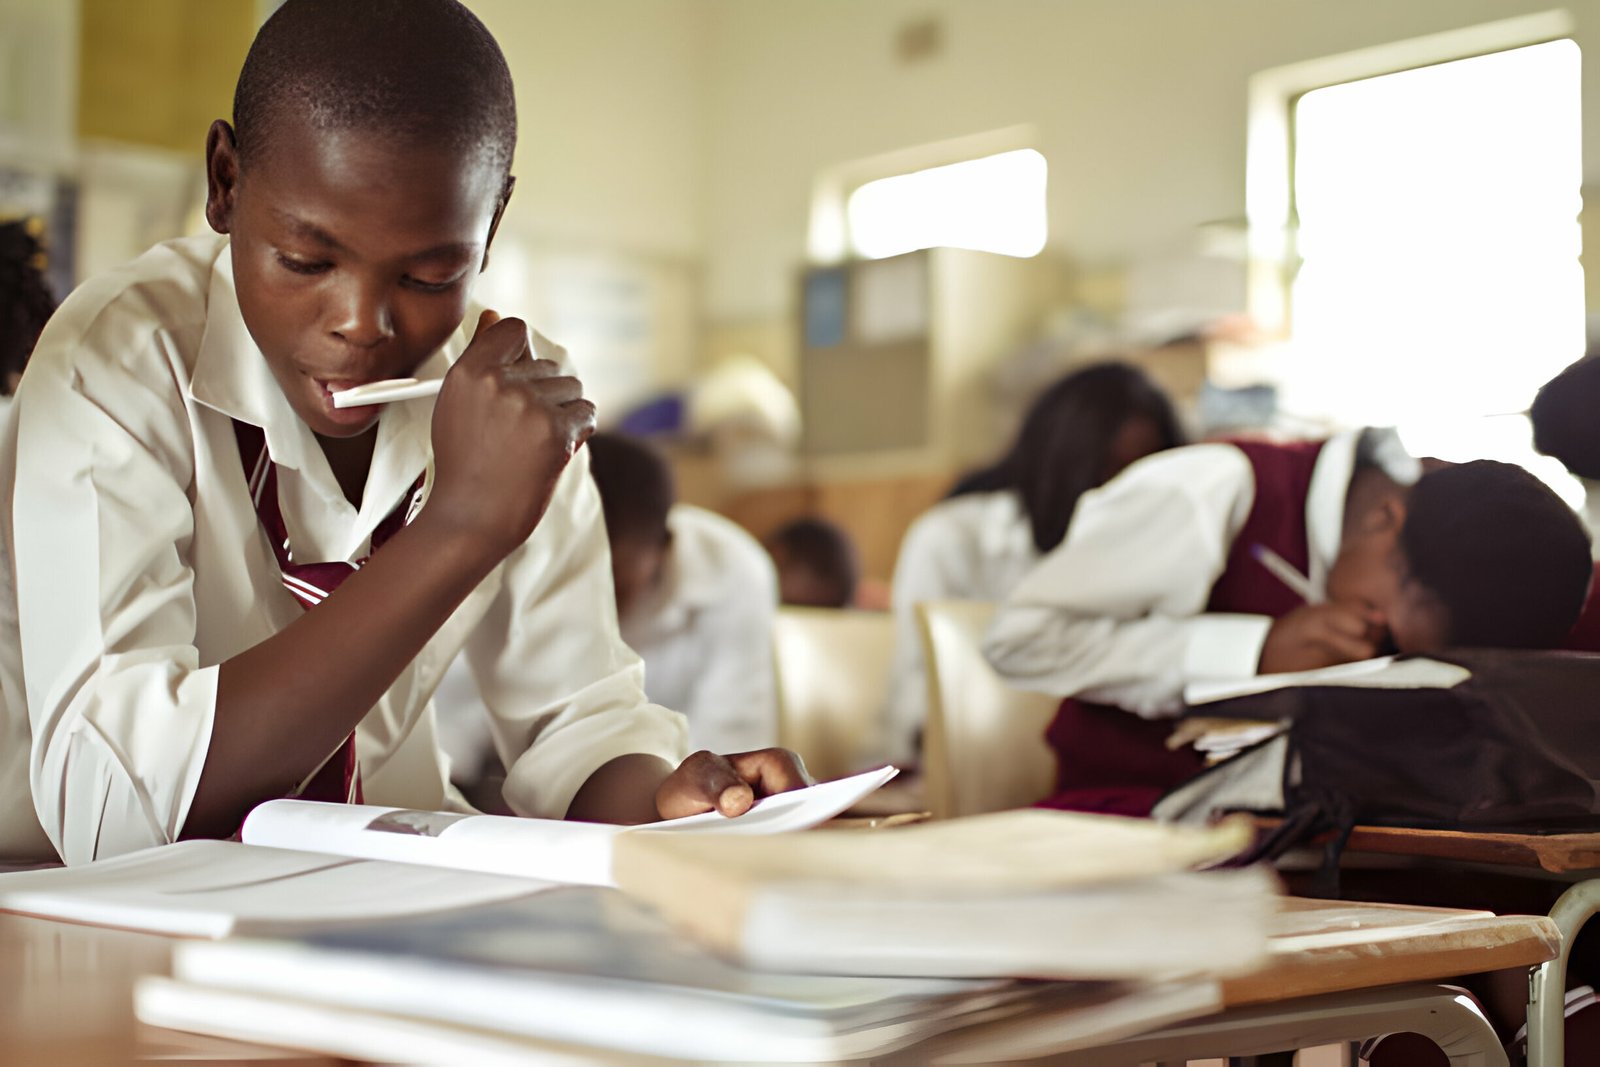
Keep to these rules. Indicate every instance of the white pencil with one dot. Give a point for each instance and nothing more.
(386, 392)
(1286, 573)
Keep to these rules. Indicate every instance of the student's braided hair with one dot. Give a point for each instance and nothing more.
(26, 302)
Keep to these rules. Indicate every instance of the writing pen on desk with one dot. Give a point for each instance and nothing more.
(386, 392)
(1285, 572)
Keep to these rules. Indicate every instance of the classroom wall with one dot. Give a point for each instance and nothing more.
(1139, 106)
(612, 119)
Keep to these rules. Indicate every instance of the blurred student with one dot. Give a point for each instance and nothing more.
(26, 303)
(996, 522)
(817, 564)
(1566, 426)
(1162, 582)
(696, 596)
(226, 588)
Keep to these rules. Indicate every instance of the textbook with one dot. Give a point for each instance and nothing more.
(589, 966)
(304, 862)
(1043, 894)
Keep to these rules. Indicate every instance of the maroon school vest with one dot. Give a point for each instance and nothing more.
(339, 779)
(1585, 633)
(1110, 760)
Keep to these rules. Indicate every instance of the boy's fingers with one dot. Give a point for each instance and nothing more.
(771, 770)
(497, 341)
(704, 782)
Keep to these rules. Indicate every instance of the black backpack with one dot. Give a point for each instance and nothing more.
(1513, 748)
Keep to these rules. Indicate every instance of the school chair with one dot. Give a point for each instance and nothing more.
(832, 670)
(983, 745)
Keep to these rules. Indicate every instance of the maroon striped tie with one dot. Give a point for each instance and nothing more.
(339, 779)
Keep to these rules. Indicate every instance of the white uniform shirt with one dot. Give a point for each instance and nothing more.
(971, 547)
(140, 566)
(706, 633)
(1116, 613)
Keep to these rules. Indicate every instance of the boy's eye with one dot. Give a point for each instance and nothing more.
(302, 266)
(423, 286)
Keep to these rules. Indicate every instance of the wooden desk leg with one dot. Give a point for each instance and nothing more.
(1547, 983)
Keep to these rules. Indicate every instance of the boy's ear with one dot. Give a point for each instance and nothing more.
(222, 175)
(1389, 516)
(494, 224)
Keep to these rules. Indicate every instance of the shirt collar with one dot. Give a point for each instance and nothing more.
(1330, 485)
(231, 376)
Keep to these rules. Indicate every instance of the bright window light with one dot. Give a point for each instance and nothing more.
(1438, 233)
(993, 204)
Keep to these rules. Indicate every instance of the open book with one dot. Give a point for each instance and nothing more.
(302, 862)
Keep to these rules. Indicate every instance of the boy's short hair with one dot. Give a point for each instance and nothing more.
(823, 551)
(636, 487)
(1503, 554)
(1566, 417)
(413, 68)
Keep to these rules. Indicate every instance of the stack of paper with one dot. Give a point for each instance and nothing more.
(589, 967)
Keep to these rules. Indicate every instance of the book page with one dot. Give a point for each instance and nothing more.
(1385, 672)
(215, 888)
(551, 849)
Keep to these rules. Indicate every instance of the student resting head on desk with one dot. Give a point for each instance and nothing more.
(1161, 582)
(226, 588)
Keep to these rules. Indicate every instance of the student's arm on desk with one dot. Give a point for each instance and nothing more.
(1116, 613)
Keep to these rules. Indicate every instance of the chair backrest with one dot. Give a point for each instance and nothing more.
(983, 745)
(833, 673)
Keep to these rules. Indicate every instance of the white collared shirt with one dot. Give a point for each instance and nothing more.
(140, 566)
(1117, 612)
(706, 633)
(971, 547)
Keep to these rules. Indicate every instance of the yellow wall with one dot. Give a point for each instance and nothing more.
(157, 72)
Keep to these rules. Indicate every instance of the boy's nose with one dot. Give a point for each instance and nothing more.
(364, 319)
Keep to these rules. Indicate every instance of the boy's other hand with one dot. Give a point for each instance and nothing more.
(729, 784)
(506, 423)
(1320, 635)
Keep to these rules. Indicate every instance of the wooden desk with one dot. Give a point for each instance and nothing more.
(66, 998)
(1570, 857)
(65, 990)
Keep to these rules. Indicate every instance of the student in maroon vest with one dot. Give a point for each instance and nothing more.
(1161, 582)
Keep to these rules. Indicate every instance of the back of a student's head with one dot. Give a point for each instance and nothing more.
(1566, 417)
(817, 564)
(26, 302)
(636, 495)
(1078, 434)
(1499, 552)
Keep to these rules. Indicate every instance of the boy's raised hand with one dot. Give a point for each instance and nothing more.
(1320, 635)
(729, 784)
(505, 425)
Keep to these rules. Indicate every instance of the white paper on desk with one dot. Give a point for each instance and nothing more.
(1385, 672)
(216, 888)
(571, 852)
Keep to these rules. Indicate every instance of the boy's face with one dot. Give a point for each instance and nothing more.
(1371, 572)
(353, 255)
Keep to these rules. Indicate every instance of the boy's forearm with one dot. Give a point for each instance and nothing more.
(622, 790)
(286, 703)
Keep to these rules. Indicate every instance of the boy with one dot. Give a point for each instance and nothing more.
(1160, 583)
(177, 466)
(817, 564)
(696, 596)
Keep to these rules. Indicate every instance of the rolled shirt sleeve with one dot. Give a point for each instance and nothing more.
(564, 693)
(1116, 613)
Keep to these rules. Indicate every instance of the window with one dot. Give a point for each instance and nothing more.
(992, 204)
(1439, 282)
